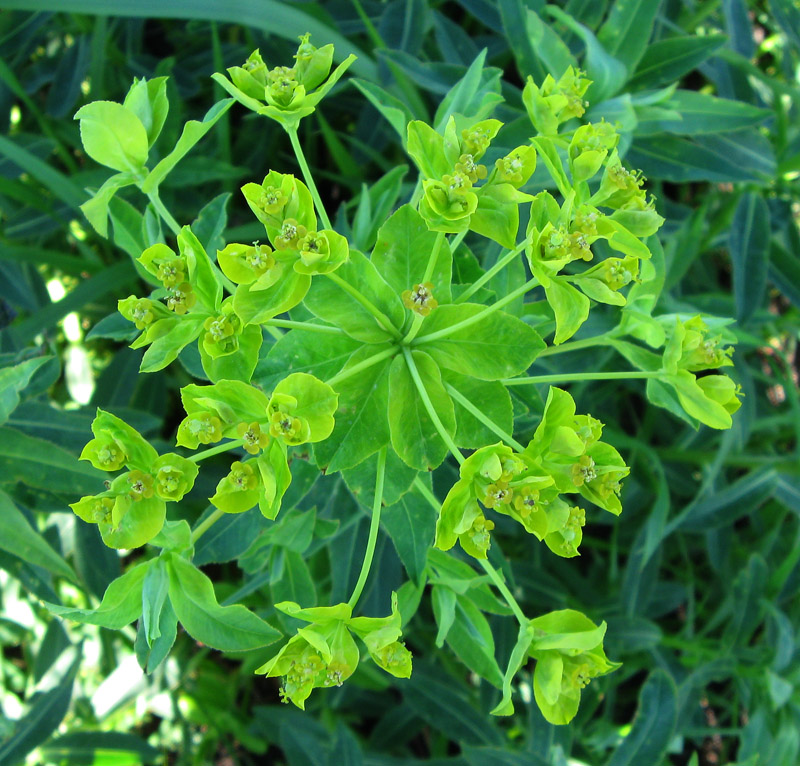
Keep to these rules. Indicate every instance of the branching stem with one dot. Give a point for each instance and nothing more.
(363, 365)
(211, 451)
(499, 266)
(568, 377)
(487, 421)
(384, 321)
(426, 400)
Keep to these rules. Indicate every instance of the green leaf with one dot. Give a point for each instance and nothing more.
(96, 209)
(361, 479)
(361, 426)
(42, 719)
(257, 306)
(426, 147)
(39, 464)
(749, 247)
(179, 332)
(701, 113)
(227, 628)
(497, 214)
(239, 365)
(202, 274)
(121, 604)
(411, 526)
(470, 637)
(113, 135)
(517, 26)
(654, 724)
(402, 250)
(669, 59)
(301, 351)
(154, 595)
(100, 748)
(13, 380)
(474, 96)
(192, 132)
(491, 398)
(18, 537)
(147, 99)
(570, 306)
(330, 302)
(209, 226)
(606, 72)
(626, 32)
(395, 111)
(413, 433)
(743, 155)
(499, 346)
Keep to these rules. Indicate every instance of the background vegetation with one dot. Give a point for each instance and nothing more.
(698, 578)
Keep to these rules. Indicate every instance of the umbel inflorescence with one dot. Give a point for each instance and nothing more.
(421, 346)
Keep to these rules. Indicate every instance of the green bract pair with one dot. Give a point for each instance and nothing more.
(324, 653)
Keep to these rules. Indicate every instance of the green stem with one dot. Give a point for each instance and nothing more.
(363, 365)
(209, 521)
(488, 422)
(291, 325)
(512, 296)
(381, 318)
(372, 33)
(426, 400)
(575, 345)
(211, 451)
(457, 240)
(494, 575)
(567, 377)
(312, 187)
(161, 209)
(431, 265)
(501, 264)
(374, 526)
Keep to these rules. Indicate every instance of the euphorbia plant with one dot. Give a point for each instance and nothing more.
(391, 358)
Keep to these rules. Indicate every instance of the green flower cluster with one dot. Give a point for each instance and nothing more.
(324, 653)
(132, 510)
(452, 200)
(564, 457)
(285, 94)
(300, 410)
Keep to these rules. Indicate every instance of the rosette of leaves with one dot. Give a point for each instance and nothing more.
(285, 94)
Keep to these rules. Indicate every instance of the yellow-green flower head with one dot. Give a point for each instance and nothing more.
(583, 471)
(466, 164)
(251, 77)
(222, 333)
(281, 86)
(172, 272)
(272, 200)
(475, 140)
(561, 245)
(476, 541)
(594, 137)
(141, 485)
(694, 348)
(517, 166)
(497, 494)
(244, 264)
(585, 220)
(619, 272)
(141, 311)
(242, 477)
(290, 235)
(181, 298)
(199, 428)
(254, 438)
(174, 476)
(526, 500)
(313, 248)
(451, 198)
(420, 299)
(394, 658)
(105, 452)
(283, 425)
